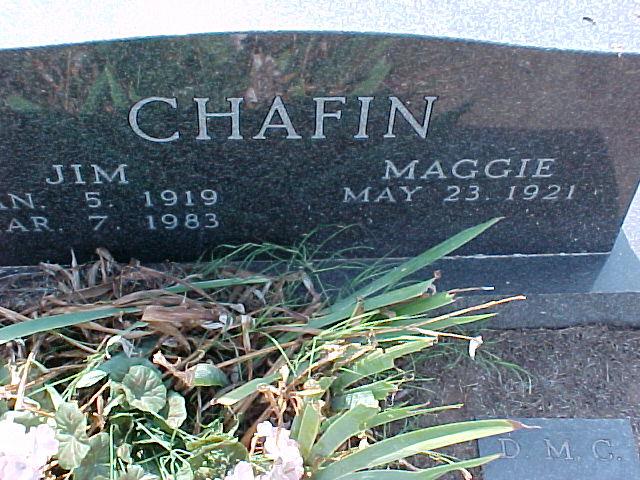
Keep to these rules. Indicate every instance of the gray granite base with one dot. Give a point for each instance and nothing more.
(562, 449)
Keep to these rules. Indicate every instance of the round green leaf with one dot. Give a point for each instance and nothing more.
(176, 410)
(71, 433)
(207, 375)
(144, 390)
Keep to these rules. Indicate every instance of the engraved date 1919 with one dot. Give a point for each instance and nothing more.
(190, 220)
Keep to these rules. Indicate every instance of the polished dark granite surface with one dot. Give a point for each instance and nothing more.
(548, 139)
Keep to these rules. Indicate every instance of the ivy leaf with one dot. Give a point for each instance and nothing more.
(176, 410)
(118, 365)
(71, 433)
(207, 375)
(144, 390)
(96, 464)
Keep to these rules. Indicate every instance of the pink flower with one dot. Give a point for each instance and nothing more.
(23, 454)
(242, 471)
(278, 447)
(285, 453)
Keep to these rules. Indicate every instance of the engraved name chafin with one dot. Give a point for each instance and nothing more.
(277, 117)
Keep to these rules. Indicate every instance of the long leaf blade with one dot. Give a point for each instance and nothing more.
(380, 301)
(432, 473)
(309, 426)
(350, 424)
(413, 443)
(415, 264)
(242, 392)
(218, 283)
(395, 414)
(376, 362)
(53, 322)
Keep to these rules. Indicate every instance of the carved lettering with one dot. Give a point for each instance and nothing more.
(119, 172)
(365, 102)
(544, 164)
(396, 109)
(408, 171)
(203, 116)
(564, 453)
(598, 449)
(434, 169)
(470, 173)
(133, 119)
(503, 173)
(100, 175)
(409, 193)
(321, 114)
(398, 106)
(509, 447)
(362, 197)
(385, 196)
(17, 202)
(34, 224)
(278, 107)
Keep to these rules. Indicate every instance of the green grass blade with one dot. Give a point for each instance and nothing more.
(438, 324)
(376, 362)
(350, 424)
(400, 413)
(455, 321)
(309, 426)
(422, 305)
(385, 300)
(415, 264)
(45, 324)
(379, 390)
(220, 283)
(427, 474)
(242, 392)
(413, 443)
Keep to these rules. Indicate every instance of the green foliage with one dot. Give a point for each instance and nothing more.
(248, 388)
(346, 425)
(24, 329)
(176, 410)
(182, 415)
(144, 390)
(310, 420)
(96, 464)
(207, 375)
(413, 443)
(72, 435)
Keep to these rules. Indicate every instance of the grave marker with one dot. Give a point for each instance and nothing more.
(564, 448)
(163, 148)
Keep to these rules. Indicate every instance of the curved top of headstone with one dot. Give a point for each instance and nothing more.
(587, 25)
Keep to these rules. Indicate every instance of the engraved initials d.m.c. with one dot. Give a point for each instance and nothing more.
(602, 450)
(564, 453)
(509, 448)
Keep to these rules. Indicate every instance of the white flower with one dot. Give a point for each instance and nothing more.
(23, 454)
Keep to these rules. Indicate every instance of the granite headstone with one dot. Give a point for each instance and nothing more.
(564, 448)
(163, 148)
